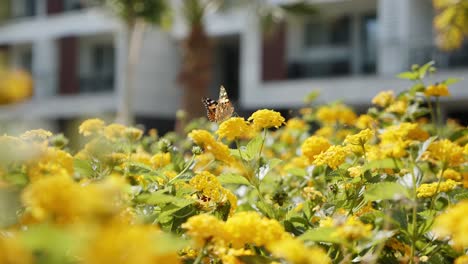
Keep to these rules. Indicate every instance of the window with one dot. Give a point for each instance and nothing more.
(23, 8)
(101, 77)
(70, 5)
(369, 43)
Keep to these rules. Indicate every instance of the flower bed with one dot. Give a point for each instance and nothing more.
(387, 186)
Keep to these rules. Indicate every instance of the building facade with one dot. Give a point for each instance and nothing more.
(350, 50)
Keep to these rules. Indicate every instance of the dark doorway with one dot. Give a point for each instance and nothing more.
(226, 67)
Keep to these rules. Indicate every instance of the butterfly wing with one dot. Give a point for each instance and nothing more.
(224, 108)
(210, 106)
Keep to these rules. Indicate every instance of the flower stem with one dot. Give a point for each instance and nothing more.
(184, 170)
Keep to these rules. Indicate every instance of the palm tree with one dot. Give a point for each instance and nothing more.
(135, 15)
(196, 71)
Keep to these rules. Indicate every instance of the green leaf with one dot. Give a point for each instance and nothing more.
(231, 178)
(462, 195)
(450, 81)
(274, 162)
(385, 191)
(83, 167)
(382, 164)
(321, 234)
(408, 76)
(297, 172)
(57, 244)
(158, 198)
(253, 147)
(424, 147)
(422, 71)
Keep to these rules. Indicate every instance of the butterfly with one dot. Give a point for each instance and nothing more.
(218, 111)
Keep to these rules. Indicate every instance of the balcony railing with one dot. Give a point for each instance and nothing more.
(444, 60)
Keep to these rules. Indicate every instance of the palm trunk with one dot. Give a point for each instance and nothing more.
(196, 73)
(125, 114)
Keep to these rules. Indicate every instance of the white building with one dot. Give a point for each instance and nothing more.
(351, 50)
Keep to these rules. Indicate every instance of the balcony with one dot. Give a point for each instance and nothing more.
(445, 60)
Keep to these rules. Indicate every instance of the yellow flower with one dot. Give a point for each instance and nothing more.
(15, 86)
(201, 137)
(266, 118)
(133, 133)
(437, 90)
(64, 201)
(445, 151)
(220, 152)
(37, 135)
(160, 160)
(52, 162)
(334, 156)
(13, 252)
(91, 127)
(355, 171)
(203, 228)
(461, 260)
(313, 146)
(204, 139)
(326, 131)
(296, 124)
(398, 107)
(365, 121)
(454, 223)
(353, 229)
(141, 157)
(294, 251)
(338, 113)
(114, 131)
(211, 188)
(234, 128)
(312, 194)
(251, 228)
(452, 175)
(360, 138)
(384, 98)
(118, 243)
(430, 189)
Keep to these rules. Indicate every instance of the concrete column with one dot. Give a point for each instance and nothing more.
(44, 67)
(393, 42)
(121, 57)
(41, 8)
(250, 57)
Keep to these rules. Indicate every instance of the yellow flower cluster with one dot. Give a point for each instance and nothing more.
(312, 194)
(160, 160)
(65, 201)
(454, 223)
(119, 243)
(206, 140)
(294, 251)
(430, 189)
(265, 118)
(234, 128)
(12, 251)
(384, 98)
(91, 127)
(15, 86)
(349, 228)
(334, 156)
(446, 152)
(338, 113)
(437, 90)
(211, 189)
(313, 146)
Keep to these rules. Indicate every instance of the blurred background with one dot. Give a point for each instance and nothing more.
(140, 61)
